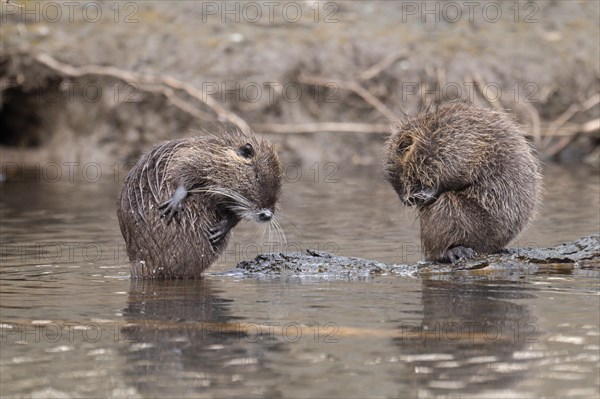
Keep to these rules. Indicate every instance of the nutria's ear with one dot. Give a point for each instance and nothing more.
(246, 151)
(404, 144)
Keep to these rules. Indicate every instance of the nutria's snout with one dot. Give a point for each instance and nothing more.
(264, 215)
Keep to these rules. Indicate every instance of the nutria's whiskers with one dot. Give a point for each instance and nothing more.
(242, 204)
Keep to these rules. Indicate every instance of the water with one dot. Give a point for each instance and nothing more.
(74, 325)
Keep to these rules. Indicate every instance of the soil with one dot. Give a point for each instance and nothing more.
(256, 59)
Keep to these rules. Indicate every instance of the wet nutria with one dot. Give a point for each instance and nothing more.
(472, 175)
(182, 198)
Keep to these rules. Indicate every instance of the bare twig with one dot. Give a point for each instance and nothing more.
(221, 111)
(441, 76)
(479, 84)
(592, 126)
(349, 127)
(587, 127)
(547, 91)
(354, 87)
(165, 85)
(559, 147)
(571, 111)
(69, 70)
(382, 65)
(534, 116)
(536, 123)
(563, 118)
(183, 105)
(322, 127)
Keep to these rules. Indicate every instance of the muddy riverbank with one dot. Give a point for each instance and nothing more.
(86, 82)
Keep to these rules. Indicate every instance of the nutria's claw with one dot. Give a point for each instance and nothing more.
(457, 253)
(218, 231)
(174, 206)
(171, 209)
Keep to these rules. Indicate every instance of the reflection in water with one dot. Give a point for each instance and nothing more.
(185, 341)
(186, 338)
(468, 336)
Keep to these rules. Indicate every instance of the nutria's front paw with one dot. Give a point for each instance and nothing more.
(218, 231)
(457, 253)
(171, 209)
(174, 206)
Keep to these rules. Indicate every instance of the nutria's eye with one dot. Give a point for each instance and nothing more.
(246, 151)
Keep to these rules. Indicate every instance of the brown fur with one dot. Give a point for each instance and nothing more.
(222, 188)
(471, 173)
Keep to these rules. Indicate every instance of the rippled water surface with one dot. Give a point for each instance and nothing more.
(74, 325)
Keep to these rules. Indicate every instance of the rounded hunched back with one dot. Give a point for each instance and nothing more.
(472, 175)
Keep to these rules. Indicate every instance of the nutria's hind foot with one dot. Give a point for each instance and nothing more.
(455, 254)
(174, 206)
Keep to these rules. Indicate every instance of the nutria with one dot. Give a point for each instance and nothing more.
(472, 175)
(183, 197)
